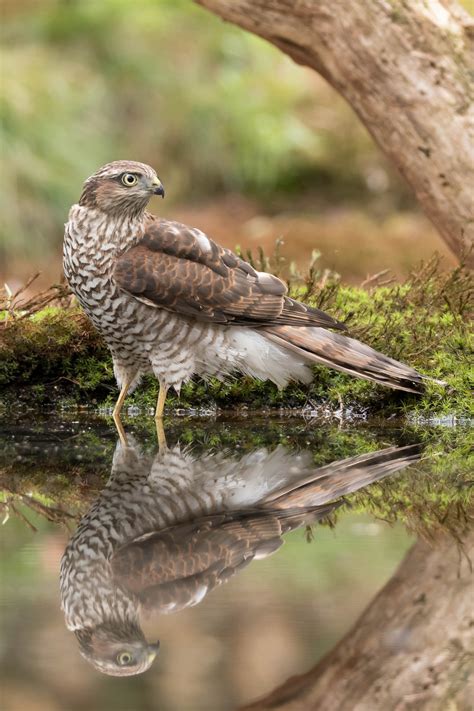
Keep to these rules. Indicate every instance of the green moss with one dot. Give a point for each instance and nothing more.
(433, 495)
(51, 354)
(55, 357)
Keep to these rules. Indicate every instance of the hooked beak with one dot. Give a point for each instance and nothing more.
(153, 651)
(157, 187)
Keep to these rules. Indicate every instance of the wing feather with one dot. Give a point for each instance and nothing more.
(171, 569)
(180, 269)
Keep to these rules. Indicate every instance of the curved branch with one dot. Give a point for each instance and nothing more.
(407, 70)
(412, 648)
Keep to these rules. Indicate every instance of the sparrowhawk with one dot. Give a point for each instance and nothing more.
(170, 301)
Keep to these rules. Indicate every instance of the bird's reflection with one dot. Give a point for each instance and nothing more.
(169, 528)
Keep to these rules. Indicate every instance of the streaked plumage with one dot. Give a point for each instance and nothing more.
(168, 529)
(169, 300)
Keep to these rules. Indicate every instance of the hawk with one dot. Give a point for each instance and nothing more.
(170, 301)
(168, 529)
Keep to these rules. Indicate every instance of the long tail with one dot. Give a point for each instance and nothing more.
(335, 480)
(348, 355)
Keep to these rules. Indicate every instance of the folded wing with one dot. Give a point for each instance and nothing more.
(175, 568)
(180, 269)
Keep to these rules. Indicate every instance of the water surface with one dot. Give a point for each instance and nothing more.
(110, 547)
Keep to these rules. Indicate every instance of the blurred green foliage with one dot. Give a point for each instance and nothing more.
(213, 108)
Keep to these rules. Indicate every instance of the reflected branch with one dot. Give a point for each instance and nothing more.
(412, 648)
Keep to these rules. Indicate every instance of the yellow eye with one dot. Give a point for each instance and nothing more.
(129, 179)
(124, 658)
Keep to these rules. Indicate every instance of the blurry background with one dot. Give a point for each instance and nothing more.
(250, 146)
(274, 619)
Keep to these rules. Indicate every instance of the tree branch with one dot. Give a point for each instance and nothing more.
(411, 649)
(407, 70)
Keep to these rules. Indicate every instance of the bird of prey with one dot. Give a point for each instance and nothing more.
(170, 301)
(169, 528)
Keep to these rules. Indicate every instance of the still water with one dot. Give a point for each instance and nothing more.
(205, 573)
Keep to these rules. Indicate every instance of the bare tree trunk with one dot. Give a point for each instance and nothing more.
(411, 649)
(405, 67)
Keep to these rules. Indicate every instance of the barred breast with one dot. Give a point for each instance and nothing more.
(146, 338)
(141, 337)
(142, 496)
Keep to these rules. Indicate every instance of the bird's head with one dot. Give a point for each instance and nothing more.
(116, 649)
(121, 188)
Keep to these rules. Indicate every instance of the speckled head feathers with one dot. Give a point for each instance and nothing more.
(117, 647)
(120, 188)
(117, 167)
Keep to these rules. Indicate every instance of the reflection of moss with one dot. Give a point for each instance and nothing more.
(434, 494)
(56, 357)
(65, 465)
(53, 452)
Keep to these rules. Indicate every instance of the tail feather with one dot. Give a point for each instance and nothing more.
(347, 355)
(335, 480)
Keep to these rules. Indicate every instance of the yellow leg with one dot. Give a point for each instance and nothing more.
(117, 410)
(160, 405)
(160, 434)
(121, 431)
(121, 398)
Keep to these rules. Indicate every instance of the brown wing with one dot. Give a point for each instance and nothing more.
(168, 568)
(172, 569)
(182, 270)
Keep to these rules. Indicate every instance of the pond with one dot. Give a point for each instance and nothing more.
(206, 573)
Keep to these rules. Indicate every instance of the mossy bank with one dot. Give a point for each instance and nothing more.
(54, 357)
